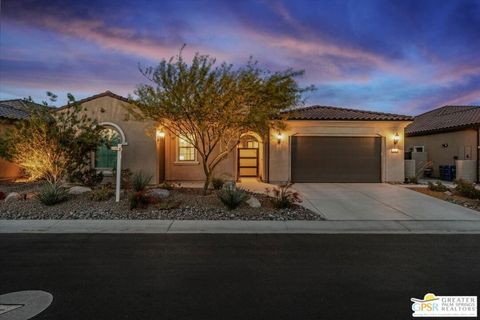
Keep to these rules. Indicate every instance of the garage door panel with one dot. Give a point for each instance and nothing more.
(336, 159)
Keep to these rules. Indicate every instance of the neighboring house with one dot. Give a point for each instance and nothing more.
(12, 111)
(447, 136)
(320, 144)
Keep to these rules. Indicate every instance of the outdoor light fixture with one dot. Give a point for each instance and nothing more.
(279, 137)
(160, 133)
(396, 139)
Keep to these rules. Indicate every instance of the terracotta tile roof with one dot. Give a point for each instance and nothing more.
(17, 109)
(9, 112)
(336, 113)
(96, 96)
(446, 118)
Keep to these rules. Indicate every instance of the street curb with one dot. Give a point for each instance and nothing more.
(239, 226)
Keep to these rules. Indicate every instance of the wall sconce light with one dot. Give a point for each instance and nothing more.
(279, 137)
(160, 134)
(396, 139)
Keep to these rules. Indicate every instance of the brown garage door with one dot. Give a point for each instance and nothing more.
(336, 159)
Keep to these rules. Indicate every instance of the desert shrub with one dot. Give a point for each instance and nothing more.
(412, 180)
(2, 195)
(52, 193)
(283, 196)
(51, 144)
(466, 189)
(140, 181)
(437, 186)
(232, 196)
(217, 183)
(88, 177)
(138, 200)
(102, 194)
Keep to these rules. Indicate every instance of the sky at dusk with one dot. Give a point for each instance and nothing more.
(395, 56)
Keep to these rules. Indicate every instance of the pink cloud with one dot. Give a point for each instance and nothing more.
(119, 39)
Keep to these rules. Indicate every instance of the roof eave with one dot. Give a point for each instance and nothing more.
(442, 130)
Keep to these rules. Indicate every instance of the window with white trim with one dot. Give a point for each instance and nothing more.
(186, 151)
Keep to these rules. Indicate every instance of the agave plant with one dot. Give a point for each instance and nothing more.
(140, 181)
(232, 196)
(52, 193)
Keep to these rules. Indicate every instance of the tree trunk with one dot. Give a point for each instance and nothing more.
(207, 182)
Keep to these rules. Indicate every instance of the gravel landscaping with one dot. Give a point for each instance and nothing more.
(182, 204)
(450, 197)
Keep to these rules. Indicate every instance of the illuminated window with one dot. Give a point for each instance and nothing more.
(252, 144)
(186, 151)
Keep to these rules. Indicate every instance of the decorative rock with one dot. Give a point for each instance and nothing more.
(158, 193)
(79, 190)
(253, 202)
(229, 184)
(12, 196)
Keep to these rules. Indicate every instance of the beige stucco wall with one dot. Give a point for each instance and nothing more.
(460, 144)
(178, 171)
(192, 171)
(392, 163)
(8, 170)
(140, 153)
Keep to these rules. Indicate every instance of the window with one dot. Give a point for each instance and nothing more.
(105, 157)
(252, 144)
(186, 151)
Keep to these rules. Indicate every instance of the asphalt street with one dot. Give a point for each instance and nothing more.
(228, 276)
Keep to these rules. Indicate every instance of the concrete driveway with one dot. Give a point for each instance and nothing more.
(377, 201)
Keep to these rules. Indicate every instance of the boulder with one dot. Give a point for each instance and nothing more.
(229, 184)
(253, 202)
(79, 190)
(448, 193)
(158, 193)
(12, 196)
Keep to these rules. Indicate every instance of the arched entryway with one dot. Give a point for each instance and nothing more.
(250, 156)
(104, 158)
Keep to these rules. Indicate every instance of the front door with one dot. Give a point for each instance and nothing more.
(247, 162)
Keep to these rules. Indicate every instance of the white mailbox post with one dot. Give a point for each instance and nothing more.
(118, 149)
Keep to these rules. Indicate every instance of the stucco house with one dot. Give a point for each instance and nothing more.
(320, 144)
(447, 136)
(12, 111)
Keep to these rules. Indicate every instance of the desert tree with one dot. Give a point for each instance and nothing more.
(211, 105)
(52, 143)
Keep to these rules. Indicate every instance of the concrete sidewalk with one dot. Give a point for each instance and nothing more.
(237, 226)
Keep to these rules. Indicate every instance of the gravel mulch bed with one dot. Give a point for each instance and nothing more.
(453, 198)
(182, 204)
